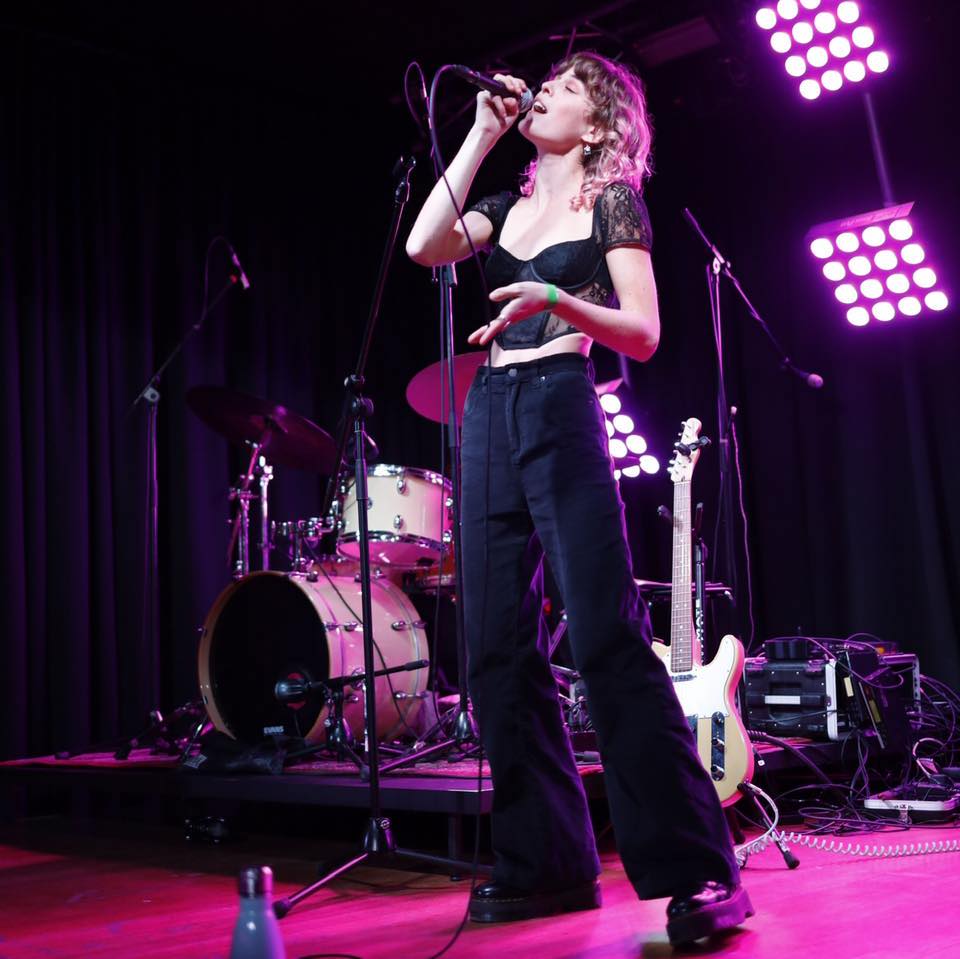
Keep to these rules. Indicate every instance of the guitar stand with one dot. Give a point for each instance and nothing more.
(751, 792)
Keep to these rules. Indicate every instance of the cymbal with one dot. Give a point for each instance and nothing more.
(424, 389)
(611, 386)
(287, 439)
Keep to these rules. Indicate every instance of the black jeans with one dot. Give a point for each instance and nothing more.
(551, 482)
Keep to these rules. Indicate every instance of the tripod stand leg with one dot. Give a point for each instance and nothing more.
(775, 834)
(282, 906)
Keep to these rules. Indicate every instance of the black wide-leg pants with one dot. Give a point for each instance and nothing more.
(536, 470)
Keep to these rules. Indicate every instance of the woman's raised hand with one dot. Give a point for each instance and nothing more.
(495, 115)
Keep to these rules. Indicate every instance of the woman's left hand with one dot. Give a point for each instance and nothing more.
(525, 298)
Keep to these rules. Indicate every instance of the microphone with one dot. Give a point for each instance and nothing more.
(813, 380)
(495, 87)
(295, 690)
(242, 277)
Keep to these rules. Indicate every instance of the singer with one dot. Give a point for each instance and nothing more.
(569, 263)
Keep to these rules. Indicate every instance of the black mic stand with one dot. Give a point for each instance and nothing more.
(720, 266)
(150, 395)
(378, 838)
(464, 735)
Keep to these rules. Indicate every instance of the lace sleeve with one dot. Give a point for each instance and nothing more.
(623, 218)
(494, 208)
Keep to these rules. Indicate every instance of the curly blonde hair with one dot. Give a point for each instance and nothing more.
(620, 110)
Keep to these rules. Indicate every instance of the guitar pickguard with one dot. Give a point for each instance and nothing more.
(706, 698)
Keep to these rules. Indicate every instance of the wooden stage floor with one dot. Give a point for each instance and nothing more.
(112, 889)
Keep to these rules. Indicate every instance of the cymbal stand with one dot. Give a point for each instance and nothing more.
(257, 467)
(241, 495)
(265, 471)
(377, 841)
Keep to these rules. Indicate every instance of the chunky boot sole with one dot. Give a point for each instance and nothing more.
(537, 904)
(709, 920)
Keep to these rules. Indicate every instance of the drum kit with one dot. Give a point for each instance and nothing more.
(301, 624)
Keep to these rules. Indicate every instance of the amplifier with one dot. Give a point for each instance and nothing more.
(831, 696)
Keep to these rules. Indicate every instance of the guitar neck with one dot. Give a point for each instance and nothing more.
(683, 653)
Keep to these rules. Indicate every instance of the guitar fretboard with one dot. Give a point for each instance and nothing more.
(681, 615)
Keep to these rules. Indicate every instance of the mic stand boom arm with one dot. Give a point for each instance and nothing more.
(722, 265)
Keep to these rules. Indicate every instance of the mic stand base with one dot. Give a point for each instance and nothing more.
(380, 849)
(339, 743)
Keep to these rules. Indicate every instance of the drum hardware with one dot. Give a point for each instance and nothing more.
(241, 495)
(172, 734)
(276, 436)
(304, 537)
(266, 475)
(241, 531)
(339, 738)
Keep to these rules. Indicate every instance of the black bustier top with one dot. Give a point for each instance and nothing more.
(620, 218)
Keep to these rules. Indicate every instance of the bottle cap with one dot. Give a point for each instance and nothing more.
(255, 881)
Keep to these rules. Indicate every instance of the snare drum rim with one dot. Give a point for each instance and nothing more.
(389, 469)
(377, 536)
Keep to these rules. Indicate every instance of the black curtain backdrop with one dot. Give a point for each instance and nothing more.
(116, 172)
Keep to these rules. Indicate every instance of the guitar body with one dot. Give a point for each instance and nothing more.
(706, 696)
(706, 690)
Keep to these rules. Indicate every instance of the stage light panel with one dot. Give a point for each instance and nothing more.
(877, 267)
(628, 450)
(610, 403)
(618, 449)
(815, 41)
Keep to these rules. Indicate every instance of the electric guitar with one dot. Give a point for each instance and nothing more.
(706, 692)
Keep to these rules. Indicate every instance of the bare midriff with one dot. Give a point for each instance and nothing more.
(568, 343)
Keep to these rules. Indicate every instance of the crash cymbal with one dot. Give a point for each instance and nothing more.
(611, 386)
(424, 390)
(287, 438)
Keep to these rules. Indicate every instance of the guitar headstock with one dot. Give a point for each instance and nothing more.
(687, 451)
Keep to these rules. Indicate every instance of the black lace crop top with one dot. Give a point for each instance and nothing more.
(620, 218)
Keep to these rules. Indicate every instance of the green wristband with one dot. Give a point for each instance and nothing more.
(553, 295)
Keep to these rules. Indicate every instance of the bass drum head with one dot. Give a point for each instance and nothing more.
(269, 626)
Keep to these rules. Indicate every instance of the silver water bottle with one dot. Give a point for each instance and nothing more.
(257, 932)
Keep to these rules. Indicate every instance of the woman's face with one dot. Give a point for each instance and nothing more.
(560, 118)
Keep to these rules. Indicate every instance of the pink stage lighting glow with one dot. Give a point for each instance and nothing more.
(825, 44)
(877, 267)
(628, 449)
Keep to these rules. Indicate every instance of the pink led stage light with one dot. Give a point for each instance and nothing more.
(877, 265)
(825, 44)
(625, 444)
